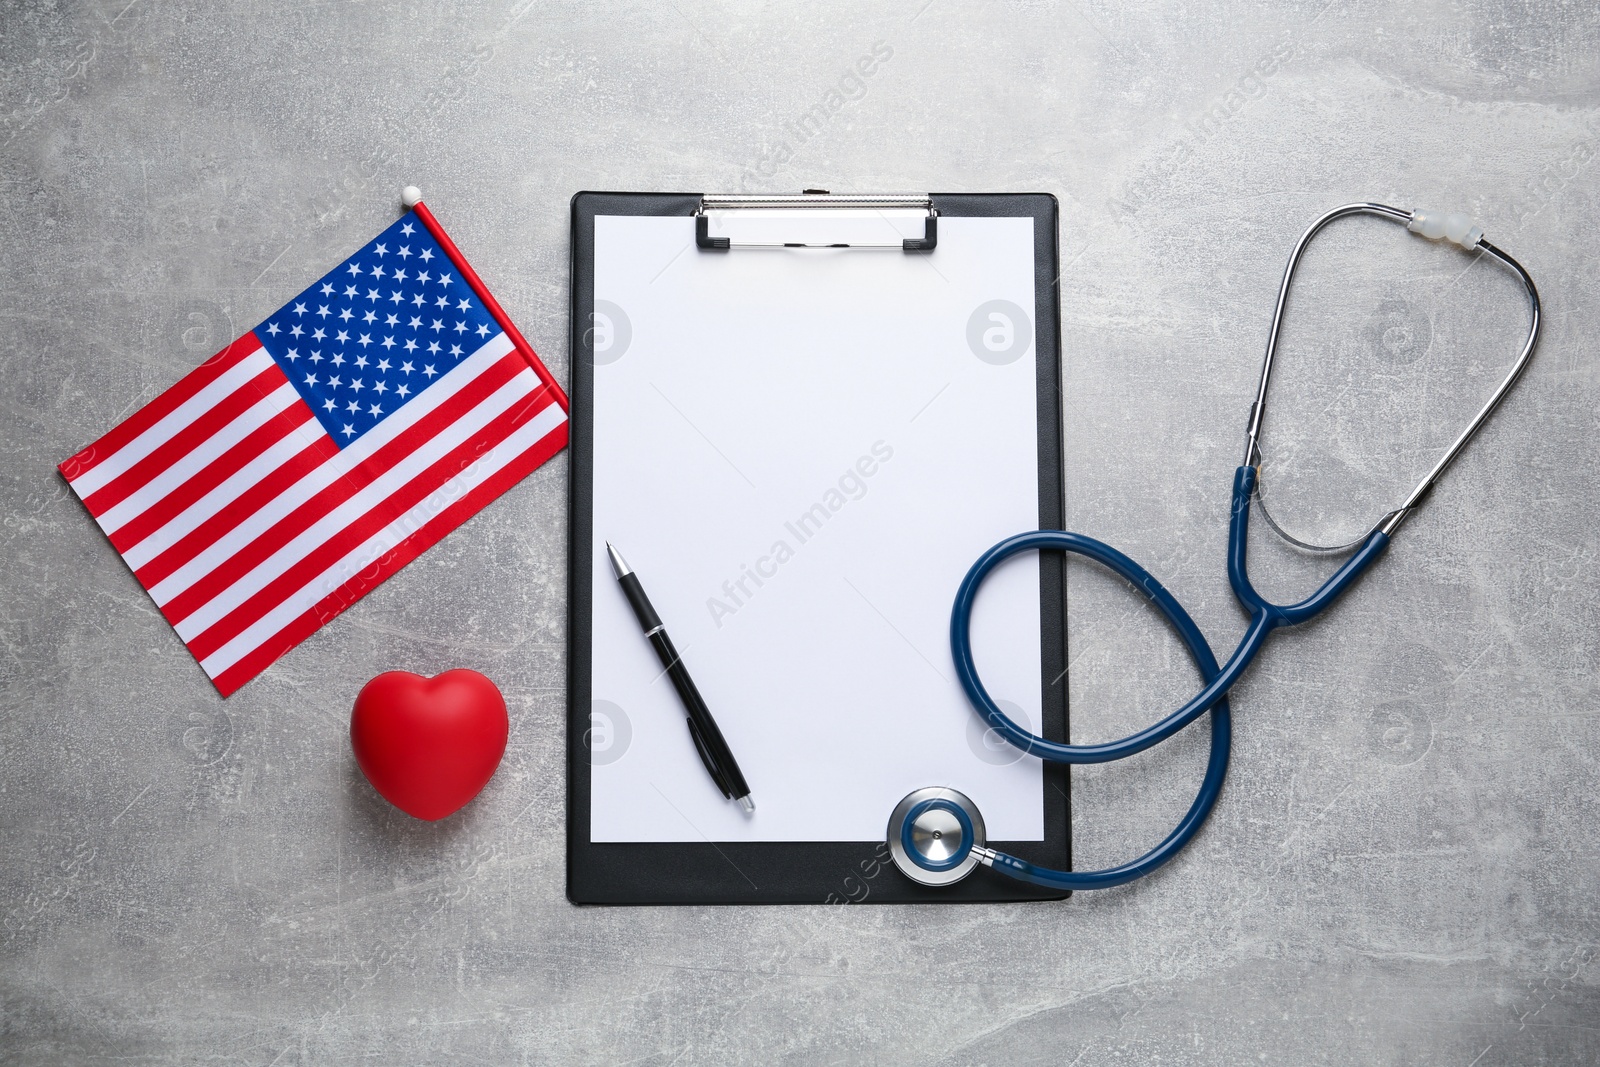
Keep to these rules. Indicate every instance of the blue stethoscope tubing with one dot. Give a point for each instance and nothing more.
(1265, 616)
(1193, 640)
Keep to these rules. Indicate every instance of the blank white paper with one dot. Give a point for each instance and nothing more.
(801, 452)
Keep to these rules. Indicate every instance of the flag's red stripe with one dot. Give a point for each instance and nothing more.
(490, 303)
(425, 538)
(370, 470)
(186, 440)
(213, 474)
(347, 540)
(319, 451)
(160, 407)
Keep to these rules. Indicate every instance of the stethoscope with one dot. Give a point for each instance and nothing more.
(936, 835)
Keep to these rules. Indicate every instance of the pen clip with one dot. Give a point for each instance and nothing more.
(717, 777)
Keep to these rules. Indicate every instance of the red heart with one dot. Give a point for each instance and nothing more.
(429, 745)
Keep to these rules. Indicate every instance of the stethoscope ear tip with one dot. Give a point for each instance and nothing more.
(936, 836)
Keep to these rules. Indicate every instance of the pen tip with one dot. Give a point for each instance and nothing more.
(619, 566)
(747, 804)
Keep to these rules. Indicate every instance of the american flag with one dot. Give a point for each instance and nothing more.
(298, 468)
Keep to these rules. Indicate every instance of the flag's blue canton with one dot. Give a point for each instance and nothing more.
(377, 330)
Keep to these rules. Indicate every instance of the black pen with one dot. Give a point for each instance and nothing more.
(708, 741)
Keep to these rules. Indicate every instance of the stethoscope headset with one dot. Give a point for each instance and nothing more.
(936, 836)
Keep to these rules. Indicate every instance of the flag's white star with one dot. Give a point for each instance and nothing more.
(437, 325)
(383, 364)
(380, 251)
(464, 305)
(322, 311)
(418, 299)
(427, 254)
(461, 327)
(341, 337)
(443, 301)
(388, 342)
(292, 355)
(338, 359)
(405, 252)
(377, 272)
(444, 279)
(429, 371)
(328, 405)
(415, 322)
(295, 330)
(318, 334)
(272, 328)
(376, 410)
(355, 405)
(316, 356)
(349, 431)
(407, 367)
(370, 316)
(411, 346)
(311, 379)
(483, 331)
(424, 276)
(372, 294)
(327, 288)
(455, 350)
(299, 308)
(400, 275)
(407, 229)
(350, 291)
(361, 361)
(345, 315)
(402, 391)
(335, 382)
(366, 339)
(390, 320)
(358, 385)
(433, 347)
(379, 386)
(355, 268)
(396, 297)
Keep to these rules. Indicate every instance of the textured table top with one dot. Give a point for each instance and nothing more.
(1402, 868)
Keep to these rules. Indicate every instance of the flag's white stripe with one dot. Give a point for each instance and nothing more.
(359, 559)
(98, 476)
(519, 388)
(336, 467)
(208, 451)
(180, 525)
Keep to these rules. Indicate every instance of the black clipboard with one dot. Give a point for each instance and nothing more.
(803, 872)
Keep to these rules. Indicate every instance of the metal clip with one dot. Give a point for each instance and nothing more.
(872, 217)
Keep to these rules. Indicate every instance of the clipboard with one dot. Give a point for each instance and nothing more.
(730, 355)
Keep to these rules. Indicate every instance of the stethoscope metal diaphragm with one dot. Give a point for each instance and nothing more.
(936, 836)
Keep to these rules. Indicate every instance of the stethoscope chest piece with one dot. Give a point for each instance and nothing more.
(935, 836)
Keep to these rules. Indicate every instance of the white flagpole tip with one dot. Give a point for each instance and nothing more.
(411, 196)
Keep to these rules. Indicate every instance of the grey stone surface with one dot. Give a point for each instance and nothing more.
(1402, 868)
